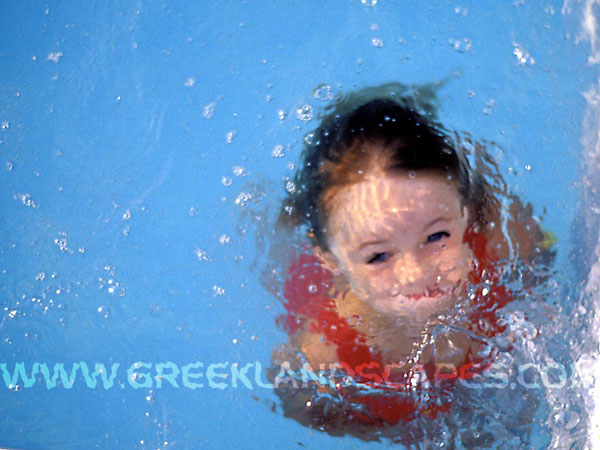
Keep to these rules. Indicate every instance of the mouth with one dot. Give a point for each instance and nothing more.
(428, 293)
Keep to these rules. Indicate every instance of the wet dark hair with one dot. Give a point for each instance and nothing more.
(340, 154)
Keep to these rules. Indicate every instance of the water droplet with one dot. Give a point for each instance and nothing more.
(312, 289)
(527, 167)
(412, 175)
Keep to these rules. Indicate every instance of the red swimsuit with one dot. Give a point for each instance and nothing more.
(307, 294)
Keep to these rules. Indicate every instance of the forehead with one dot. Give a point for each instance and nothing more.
(408, 200)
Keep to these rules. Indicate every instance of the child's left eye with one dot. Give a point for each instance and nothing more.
(437, 236)
(378, 258)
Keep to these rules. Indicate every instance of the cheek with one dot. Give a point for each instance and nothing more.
(455, 257)
(368, 283)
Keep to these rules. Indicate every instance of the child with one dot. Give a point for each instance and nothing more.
(402, 277)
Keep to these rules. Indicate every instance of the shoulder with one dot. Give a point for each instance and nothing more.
(517, 236)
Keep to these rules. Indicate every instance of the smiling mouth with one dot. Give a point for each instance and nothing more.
(429, 293)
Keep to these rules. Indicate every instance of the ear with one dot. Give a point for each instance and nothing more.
(465, 216)
(328, 259)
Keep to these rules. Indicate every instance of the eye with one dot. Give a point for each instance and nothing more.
(378, 258)
(437, 236)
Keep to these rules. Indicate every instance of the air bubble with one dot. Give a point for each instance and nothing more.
(54, 57)
(26, 200)
(202, 255)
(230, 136)
(226, 181)
(323, 92)
(243, 198)
(523, 56)
(305, 112)
(377, 42)
(290, 187)
(278, 151)
(239, 171)
(61, 242)
(461, 45)
(190, 82)
(209, 110)
(460, 11)
(218, 291)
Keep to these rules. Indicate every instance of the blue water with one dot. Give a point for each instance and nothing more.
(137, 171)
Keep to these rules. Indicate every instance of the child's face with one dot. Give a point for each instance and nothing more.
(398, 240)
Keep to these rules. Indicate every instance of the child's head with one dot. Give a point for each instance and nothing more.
(387, 201)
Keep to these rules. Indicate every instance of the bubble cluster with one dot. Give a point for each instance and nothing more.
(323, 92)
(230, 136)
(305, 112)
(54, 57)
(278, 151)
(523, 56)
(377, 42)
(461, 45)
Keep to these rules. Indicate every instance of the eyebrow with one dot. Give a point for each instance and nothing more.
(383, 241)
(366, 244)
(436, 221)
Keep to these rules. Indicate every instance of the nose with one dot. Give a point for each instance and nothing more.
(408, 271)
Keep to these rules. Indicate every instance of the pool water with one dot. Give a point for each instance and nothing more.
(145, 148)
